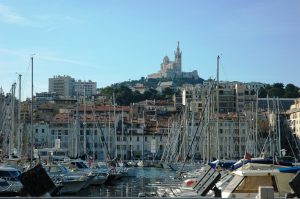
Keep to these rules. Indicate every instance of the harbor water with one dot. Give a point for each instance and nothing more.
(145, 181)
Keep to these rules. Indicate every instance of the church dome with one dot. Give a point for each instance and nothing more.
(166, 60)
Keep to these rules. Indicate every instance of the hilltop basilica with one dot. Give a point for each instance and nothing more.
(172, 69)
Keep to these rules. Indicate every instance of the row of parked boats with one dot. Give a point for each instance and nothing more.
(242, 179)
(67, 177)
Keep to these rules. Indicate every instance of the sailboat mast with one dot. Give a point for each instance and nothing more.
(12, 132)
(278, 128)
(31, 111)
(93, 131)
(122, 150)
(256, 126)
(19, 119)
(77, 128)
(217, 107)
(131, 138)
(144, 124)
(269, 121)
(115, 126)
(109, 136)
(84, 122)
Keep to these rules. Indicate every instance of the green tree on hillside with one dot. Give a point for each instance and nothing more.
(277, 90)
(151, 94)
(291, 91)
(168, 93)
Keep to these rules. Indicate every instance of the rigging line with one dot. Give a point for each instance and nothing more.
(103, 141)
(291, 148)
(296, 143)
(267, 136)
(26, 82)
(202, 127)
(222, 66)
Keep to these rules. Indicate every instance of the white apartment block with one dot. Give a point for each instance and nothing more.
(88, 86)
(255, 86)
(62, 85)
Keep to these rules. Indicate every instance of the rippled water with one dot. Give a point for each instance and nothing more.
(144, 181)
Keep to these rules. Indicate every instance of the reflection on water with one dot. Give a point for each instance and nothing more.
(131, 186)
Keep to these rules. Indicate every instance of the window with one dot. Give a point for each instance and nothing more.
(160, 147)
(146, 139)
(43, 130)
(36, 130)
(124, 138)
(137, 138)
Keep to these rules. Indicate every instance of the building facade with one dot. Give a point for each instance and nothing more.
(87, 88)
(62, 85)
(173, 69)
(294, 119)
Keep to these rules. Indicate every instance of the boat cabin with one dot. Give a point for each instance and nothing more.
(53, 154)
(245, 183)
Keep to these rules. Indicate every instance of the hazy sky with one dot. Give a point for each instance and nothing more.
(115, 40)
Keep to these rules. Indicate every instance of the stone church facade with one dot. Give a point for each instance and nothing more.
(172, 69)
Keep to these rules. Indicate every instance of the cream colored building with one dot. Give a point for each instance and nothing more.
(172, 69)
(294, 113)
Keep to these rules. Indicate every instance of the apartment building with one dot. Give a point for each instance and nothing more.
(294, 119)
(62, 85)
(87, 88)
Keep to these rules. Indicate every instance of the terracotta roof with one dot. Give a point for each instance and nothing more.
(67, 118)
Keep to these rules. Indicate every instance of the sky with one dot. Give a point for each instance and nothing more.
(110, 41)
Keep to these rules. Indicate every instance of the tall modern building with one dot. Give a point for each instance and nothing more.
(62, 85)
(89, 87)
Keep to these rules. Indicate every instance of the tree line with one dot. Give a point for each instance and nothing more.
(124, 95)
(279, 90)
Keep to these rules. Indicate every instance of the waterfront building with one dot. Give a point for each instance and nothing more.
(225, 137)
(41, 134)
(294, 117)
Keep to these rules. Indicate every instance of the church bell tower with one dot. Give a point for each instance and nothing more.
(178, 58)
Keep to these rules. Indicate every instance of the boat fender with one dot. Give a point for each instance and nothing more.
(189, 182)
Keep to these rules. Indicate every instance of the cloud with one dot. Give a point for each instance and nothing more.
(43, 56)
(62, 60)
(9, 16)
(47, 23)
